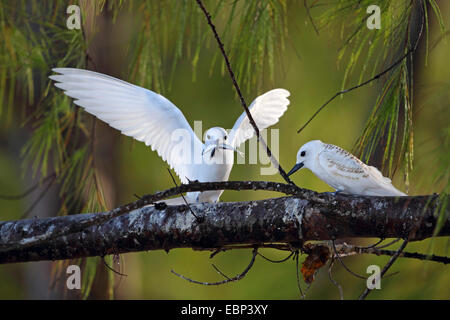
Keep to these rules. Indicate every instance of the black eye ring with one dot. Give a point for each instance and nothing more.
(302, 154)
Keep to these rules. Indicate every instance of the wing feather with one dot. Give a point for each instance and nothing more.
(345, 170)
(135, 111)
(342, 163)
(266, 110)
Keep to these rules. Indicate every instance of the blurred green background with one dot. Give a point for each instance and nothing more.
(311, 73)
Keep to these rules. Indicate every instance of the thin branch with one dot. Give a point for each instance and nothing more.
(220, 272)
(330, 276)
(27, 192)
(276, 261)
(372, 245)
(377, 76)
(343, 264)
(39, 198)
(302, 295)
(112, 269)
(386, 267)
(388, 244)
(410, 255)
(305, 3)
(274, 161)
(346, 250)
(227, 280)
(184, 199)
(278, 246)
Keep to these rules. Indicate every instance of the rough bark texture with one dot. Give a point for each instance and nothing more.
(290, 219)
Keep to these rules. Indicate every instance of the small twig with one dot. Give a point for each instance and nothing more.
(412, 255)
(310, 17)
(118, 259)
(343, 264)
(302, 295)
(280, 246)
(345, 251)
(112, 269)
(276, 261)
(220, 272)
(236, 278)
(330, 276)
(372, 245)
(27, 192)
(274, 161)
(388, 244)
(39, 198)
(201, 219)
(137, 197)
(219, 250)
(386, 267)
(350, 250)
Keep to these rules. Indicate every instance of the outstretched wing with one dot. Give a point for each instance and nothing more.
(266, 110)
(136, 112)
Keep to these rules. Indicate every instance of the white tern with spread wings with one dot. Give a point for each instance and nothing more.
(151, 118)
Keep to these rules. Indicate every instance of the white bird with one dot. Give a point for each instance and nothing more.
(343, 171)
(154, 120)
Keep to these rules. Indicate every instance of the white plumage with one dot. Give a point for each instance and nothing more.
(266, 110)
(343, 171)
(151, 118)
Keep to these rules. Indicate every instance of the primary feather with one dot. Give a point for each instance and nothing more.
(135, 111)
(266, 110)
(154, 120)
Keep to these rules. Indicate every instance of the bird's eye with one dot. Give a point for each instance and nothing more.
(208, 137)
(302, 154)
(225, 137)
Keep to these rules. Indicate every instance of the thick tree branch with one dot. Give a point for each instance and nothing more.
(305, 216)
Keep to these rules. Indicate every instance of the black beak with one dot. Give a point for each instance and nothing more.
(295, 168)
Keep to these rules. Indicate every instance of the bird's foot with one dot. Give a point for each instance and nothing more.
(335, 193)
(191, 181)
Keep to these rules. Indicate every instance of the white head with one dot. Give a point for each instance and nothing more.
(216, 138)
(306, 155)
(216, 135)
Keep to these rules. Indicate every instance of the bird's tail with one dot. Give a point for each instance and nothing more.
(388, 188)
(397, 192)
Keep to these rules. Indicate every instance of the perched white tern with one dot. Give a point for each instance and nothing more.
(343, 171)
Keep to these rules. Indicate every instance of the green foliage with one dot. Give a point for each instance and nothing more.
(383, 132)
(389, 128)
(61, 142)
(255, 40)
(253, 33)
